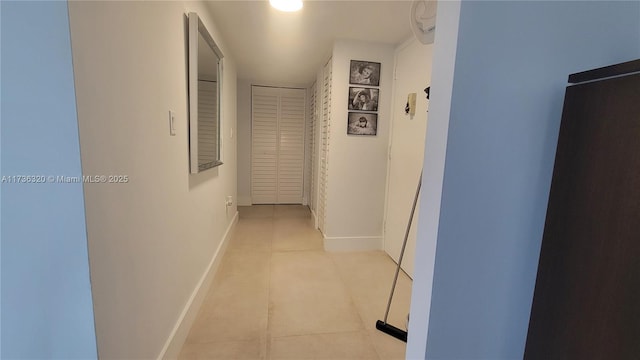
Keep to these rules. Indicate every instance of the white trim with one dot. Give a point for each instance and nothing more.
(314, 218)
(178, 335)
(353, 243)
(394, 91)
(244, 201)
(444, 59)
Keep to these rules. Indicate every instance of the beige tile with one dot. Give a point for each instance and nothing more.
(253, 224)
(284, 225)
(236, 290)
(367, 266)
(255, 211)
(313, 316)
(248, 265)
(298, 242)
(289, 211)
(369, 276)
(298, 272)
(236, 307)
(372, 311)
(275, 280)
(295, 234)
(307, 296)
(387, 347)
(253, 234)
(230, 350)
(241, 320)
(241, 273)
(337, 346)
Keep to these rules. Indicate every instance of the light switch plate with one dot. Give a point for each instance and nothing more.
(172, 124)
(411, 99)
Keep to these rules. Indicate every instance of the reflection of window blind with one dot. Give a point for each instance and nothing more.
(207, 122)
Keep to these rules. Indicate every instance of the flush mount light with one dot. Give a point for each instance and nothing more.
(286, 5)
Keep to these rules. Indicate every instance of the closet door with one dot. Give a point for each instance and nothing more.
(291, 146)
(277, 145)
(264, 145)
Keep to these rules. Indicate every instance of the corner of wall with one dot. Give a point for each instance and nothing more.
(178, 336)
(443, 68)
(357, 164)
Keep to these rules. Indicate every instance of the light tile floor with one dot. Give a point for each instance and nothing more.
(279, 295)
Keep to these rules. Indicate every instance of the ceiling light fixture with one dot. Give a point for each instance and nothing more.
(286, 5)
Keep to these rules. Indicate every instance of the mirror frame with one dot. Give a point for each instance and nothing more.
(196, 28)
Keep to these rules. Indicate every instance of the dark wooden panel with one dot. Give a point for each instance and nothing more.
(587, 295)
(604, 72)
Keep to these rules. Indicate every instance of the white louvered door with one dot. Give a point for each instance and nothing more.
(264, 144)
(312, 147)
(324, 146)
(291, 146)
(277, 155)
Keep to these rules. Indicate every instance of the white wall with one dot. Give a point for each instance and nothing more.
(153, 239)
(46, 293)
(244, 142)
(499, 112)
(443, 66)
(357, 164)
(413, 74)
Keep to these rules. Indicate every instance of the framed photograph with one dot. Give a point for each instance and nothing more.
(362, 123)
(364, 73)
(363, 99)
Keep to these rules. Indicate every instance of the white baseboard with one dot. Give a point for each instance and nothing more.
(244, 201)
(178, 335)
(355, 243)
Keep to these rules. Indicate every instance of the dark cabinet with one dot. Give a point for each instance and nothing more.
(586, 303)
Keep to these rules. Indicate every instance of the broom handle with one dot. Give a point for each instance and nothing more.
(404, 245)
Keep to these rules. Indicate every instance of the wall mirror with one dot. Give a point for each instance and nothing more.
(205, 88)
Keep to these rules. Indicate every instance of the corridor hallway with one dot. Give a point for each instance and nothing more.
(279, 295)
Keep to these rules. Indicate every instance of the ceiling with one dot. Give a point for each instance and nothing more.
(287, 49)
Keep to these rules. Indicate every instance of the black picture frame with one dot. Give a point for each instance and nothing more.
(364, 73)
(362, 123)
(363, 99)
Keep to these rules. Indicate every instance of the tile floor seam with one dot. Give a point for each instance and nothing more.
(267, 334)
(356, 305)
(322, 333)
(299, 250)
(361, 311)
(332, 340)
(375, 349)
